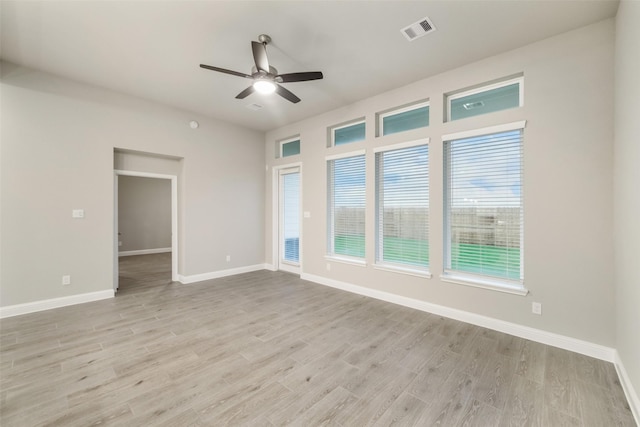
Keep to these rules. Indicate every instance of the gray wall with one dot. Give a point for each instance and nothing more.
(626, 189)
(144, 213)
(57, 154)
(568, 158)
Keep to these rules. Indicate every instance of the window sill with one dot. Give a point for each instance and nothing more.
(485, 283)
(403, 270)
(347, 260)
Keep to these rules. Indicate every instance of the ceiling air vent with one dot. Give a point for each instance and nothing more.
(419, 29)
(254, 107)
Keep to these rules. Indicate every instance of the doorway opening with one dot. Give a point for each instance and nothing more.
(132, 240)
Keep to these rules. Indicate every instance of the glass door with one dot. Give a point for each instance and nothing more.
(289, 220)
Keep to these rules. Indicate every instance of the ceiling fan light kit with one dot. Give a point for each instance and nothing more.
(264, 86)
(265, 77)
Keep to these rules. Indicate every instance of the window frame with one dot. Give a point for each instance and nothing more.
(283, 142)
(484, 88)
(471, 279)
(330, 231)
(332, 131)
(399, 110)
(380, 264)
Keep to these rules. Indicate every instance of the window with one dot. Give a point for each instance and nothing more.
(400, 120)
(483, 206)
(345, 134)
(346, 205)
(402, 205)
(487, 99)
(289, 147)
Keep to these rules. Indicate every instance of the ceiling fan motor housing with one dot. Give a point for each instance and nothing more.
(272, 71)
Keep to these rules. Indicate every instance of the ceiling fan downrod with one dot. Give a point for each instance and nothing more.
(264, 39)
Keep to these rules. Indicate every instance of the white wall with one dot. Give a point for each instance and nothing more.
(57, 154)
(568, 105)
(627, 190)
(144, 213)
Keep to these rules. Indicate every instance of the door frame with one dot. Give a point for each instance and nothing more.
(275, 231)
(174, 220)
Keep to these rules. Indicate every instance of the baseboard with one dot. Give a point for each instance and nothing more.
(544, 337)
(627, 386)
(144, 252)
(221, 273)
(270, 267)
(32, 307)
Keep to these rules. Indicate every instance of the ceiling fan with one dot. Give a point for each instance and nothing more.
(265, 77)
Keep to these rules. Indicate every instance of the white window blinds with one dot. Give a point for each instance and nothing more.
(402, 204)
(346, 206)
(290, 216)
(483, 206)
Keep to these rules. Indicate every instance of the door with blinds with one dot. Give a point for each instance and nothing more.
(289, 220)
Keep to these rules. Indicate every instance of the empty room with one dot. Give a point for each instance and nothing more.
(346, 213)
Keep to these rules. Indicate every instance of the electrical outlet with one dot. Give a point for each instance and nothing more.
(328, 266)
(536, 308)
(119, 243)
(66, 280)
(228, 258)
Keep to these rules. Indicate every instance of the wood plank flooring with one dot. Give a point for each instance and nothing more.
(269, 349)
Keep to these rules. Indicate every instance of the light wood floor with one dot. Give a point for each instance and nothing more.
(266, 348)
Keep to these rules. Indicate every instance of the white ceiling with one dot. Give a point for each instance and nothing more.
(152, 49)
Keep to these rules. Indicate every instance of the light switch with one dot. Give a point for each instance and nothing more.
(77, 213)
(307, 214)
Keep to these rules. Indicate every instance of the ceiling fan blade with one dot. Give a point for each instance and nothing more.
(248, 91)
(260, 56)
(300, 77)
(223, 70)
(286, 94)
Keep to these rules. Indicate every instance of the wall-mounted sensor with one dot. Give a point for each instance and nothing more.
(194, 124)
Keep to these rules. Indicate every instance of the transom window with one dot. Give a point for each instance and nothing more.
(403, 119)
(486, 99)
(289, 147)
(348, 133)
